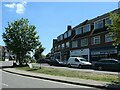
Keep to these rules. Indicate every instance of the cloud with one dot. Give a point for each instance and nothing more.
(10, 5)
(20, 7)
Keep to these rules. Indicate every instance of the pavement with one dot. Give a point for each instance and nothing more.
(76, 81)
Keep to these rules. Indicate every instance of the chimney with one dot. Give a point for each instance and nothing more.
(69, 27)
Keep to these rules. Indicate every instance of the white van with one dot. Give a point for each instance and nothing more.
(78, 62)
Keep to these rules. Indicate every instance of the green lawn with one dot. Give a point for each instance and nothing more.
(73, 74)
(0, 59)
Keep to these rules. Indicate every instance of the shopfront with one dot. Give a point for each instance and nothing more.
(57, 55)
(85, 53)
(103, 52)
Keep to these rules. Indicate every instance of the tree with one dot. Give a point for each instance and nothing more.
(38, 52)
(20, 37)
(114, 29)
(48, 55)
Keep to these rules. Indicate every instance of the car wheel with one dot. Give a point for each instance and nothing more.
(69, 65)
(100, 68)
(50, 64)
(80, 66)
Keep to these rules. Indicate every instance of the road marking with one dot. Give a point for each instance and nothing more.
(4, 84)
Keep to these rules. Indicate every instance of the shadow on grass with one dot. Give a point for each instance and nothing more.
(32, 70)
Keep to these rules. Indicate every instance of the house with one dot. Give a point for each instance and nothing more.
(89, 39)
(5, 54)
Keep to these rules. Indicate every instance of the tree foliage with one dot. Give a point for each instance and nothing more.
(48, 55)
(114, 29)
(20, 37)
(38, 52)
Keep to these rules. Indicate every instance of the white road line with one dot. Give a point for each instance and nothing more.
(4, 84)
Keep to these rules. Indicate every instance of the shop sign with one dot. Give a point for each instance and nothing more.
(79, 52)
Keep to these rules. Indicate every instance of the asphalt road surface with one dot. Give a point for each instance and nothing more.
(17, 81)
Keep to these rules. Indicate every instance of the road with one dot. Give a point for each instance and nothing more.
(17, 81)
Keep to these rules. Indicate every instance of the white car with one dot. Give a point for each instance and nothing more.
(78, 62)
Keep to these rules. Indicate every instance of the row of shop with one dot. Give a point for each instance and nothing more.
(92, 54)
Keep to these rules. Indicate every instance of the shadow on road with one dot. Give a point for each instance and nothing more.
(113, 86)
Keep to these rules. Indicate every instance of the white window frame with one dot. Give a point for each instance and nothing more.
(79, 29)
(55, 48)
(108, 38)
(84, 30)
(97, 22)
(69, 33)
(58, 47)
(67, 44)
(65, 35)
(93, 40)
(63, 45)
(106, 21)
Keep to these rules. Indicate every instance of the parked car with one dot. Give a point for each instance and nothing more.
(55, 62)
(107, 64)
(43, 60)
(78, 62)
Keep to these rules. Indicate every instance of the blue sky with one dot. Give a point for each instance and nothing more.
(51, 18)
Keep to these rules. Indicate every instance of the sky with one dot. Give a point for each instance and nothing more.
(51, 18)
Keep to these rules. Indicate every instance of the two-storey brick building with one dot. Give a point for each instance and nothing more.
(89, 39)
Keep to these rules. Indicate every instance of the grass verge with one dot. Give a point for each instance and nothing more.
(73, 74)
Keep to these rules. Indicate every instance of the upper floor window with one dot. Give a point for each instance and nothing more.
(60, 37)
(67, 44)
(65, 35)
(74, 44)
(55, 48)
(69, 33)
(86, 28)
(108, 21)
(108, 38)
(63, 45)
(84, 42)
(58, 47)
(98, 24)
(78, 30)
(95, 40)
